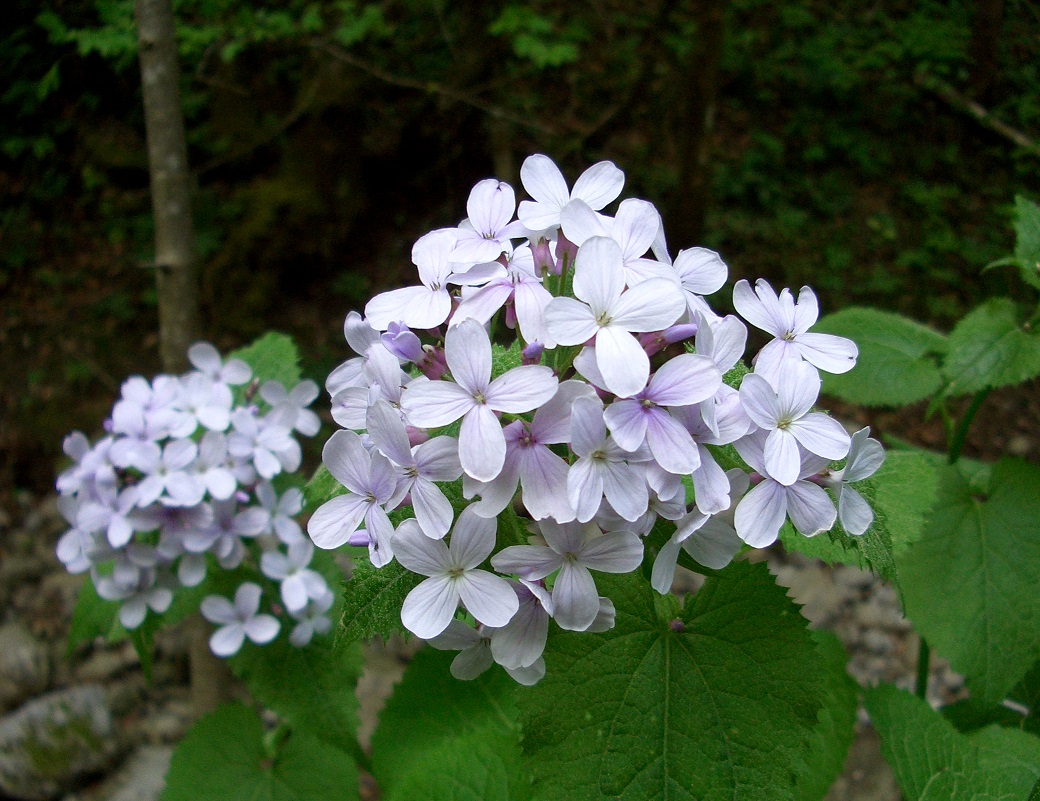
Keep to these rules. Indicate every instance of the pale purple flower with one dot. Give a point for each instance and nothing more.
(453, 576)
(112, 512)
(206, 359)
(312, 620)
(701, 272)
(265, 442)
(360, 337)
(281, 512)
(223, 536)
(475, 398)
(475, 654)
(435, 460)
(865, 458)
(205, 402)
(402, 342)
(530, 463)
(761, 513)
(89, 464)
(164, 473)
(602, 468)
(785, 413)
(384, 380)
(299, 583)
(573, 549)
(599, 185)
(484, 235)
(239, 620)
(425, 306)
(211, 471)
(635, 230)
(370, 481)
(790, 322)
(136, 599)
(302, 395)
(684, 380)
(610, 315)
(521, 641)
(723, 341)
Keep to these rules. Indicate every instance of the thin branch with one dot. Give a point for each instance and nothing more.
(980, 114)
(432, 87)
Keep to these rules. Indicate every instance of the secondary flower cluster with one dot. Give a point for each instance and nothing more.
(182, 483)
(607, 407)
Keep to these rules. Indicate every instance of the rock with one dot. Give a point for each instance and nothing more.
(140, 778)
(169, 723)
(24, 665)
(106, 663)
(877, 642)
(52, 742)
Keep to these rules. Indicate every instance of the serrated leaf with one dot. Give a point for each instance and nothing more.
(503, 359)
(312, 688)
(932, 761)
(989, 348)
(372, 600)
(897, 362)
(224, 758)
(834, 730)
(970, 582)
(273, 357)
(722, 708)
(901, 493)
(447, 739)
(1027, 240)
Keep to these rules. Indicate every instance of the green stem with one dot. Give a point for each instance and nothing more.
(924, 654)
(960, 434)
(360, 757)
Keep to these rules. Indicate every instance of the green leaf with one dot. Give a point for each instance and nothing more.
(897, 358)
(322, 487)
(224, 758)
(932, 761)
(372, 600)
(92, 617)
(503, 360)
(273, 357)
(989, 348)
(901, 493)
(721, 702)
(440, 738)
(312, 688)
(970, 583)
(834, 732)
(1027, 240)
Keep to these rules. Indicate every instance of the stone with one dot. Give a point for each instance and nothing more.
(107, 663)
(141, 777)
(24, 665)
(51, 743)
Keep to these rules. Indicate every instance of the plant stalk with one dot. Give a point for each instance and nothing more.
(924, 656)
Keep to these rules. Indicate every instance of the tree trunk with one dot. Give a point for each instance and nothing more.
(175, 268)
(693, 124)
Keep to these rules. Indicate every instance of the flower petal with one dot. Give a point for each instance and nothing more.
(472, 540)
(599, 275)
(760, 514)
(482, 445)
(614, 552)
(467, 350)
(623, 363)
(810, 508)
(522, 389)
(488, 597)
(575, 599)
(599, 184)
(430, 606)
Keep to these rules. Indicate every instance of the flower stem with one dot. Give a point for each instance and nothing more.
(960, 433)
(924, 654)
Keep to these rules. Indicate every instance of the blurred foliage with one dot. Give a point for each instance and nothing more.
(327, 135)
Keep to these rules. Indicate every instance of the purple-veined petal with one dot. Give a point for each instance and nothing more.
(663, 573)
(542, 475)
(865, 457)
(530, 561)
(552, 421)
(599, 276)
(624, 486)
(781, 456)
(335, 520)
(761, 308)
(627, 421)
(599, 185)
(700, 270)
(467, 350)
(430, 606)
(431, 404)
(569, 322)
(487, 597)
(346, 458)
(389, 434)
(482, 304)
(392, 306)
(585, 488)
(490, 206)
(854, 512)
(760, 514)
(635, 227)
(438, 459)
(685, 380)
(710, 484)
(580, 223)
(432, 509)
(797, 388)
(472, 662)
(456, 637)
(381, 533)
(227, 640)
(522, 389)
(587, 427)
(830, 353)
(472, 540)
(497, 494)
(821, 435)
(418, 552)
(530, 300)
(652, 305)
(671, 444)
(575, 599)
(614, 552)
(759, 400)
(810, 508)
(430, 256)
(482, 445)
(622, 362)
(544, 182)
(713, 545)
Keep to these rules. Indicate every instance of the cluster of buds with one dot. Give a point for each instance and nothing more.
(604, 409)
(184, 483)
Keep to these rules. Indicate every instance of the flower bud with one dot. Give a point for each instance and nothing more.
(565, 250)
(544, 263)
(532, 354)
(401, 342)
(656, 341)
(432, 364)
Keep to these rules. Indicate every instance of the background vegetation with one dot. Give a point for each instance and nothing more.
(830, 143)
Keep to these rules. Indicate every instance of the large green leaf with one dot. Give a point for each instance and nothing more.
(312, 688)
(970, 582)
(372, 600)
(932, 761)
(273, 357)
(717, 700)
(901, 494)
(1027, 240)
(989, 348)
(440, 738)
(897, 362)
(225, 758)
(834, 731)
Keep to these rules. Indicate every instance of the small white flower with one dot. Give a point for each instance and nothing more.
(238, 620)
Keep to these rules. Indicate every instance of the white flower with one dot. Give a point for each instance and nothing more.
(206, 359)
(865, 458)
(312, 620)
(599, 185)
(299, 584)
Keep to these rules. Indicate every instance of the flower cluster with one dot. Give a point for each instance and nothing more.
(606, 410)
(183, 483)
